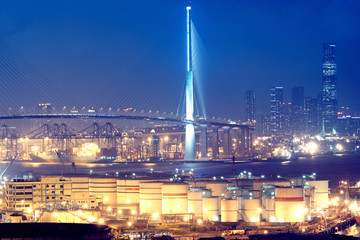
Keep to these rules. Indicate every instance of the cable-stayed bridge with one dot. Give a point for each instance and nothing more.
(27, 94)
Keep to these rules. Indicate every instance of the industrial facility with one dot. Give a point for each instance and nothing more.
(244, 198)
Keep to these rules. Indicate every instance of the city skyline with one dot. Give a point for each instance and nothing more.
(159, 120)
(85, 45)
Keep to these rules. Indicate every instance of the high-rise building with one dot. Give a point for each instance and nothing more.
(250, 107)
(276, 111)
(311, 115)
(263, 128)
(329, 90)
(297, 123)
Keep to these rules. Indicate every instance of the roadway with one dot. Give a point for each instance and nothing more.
(125, 117)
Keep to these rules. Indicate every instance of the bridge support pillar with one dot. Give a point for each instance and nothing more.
(190, 145)
(226, 142)
(203, 142)
(242, 142)
(215, 143)
(236, 135)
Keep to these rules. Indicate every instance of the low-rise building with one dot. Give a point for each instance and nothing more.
(46, 192)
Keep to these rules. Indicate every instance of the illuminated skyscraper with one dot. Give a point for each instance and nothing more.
(311, 115)
(276, 111)
(264, 126)
(250, 108)
(329, 90)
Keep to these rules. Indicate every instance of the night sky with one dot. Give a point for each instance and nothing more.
(84, 46)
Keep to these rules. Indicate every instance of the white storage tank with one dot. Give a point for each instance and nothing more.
(211, 209)
(260, 183)
(174, 198)
(105, 189)
(218, 188)
(151, 197)
(252, 210)
(128, 192)
(290, 204)
(195, 201)
(321, 192)
(229, 210)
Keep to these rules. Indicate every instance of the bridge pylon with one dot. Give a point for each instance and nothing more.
(190, 145)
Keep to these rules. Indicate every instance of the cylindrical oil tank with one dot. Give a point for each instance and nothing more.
(174, 198)
(105, 188)
(290, 204)
(218, 188)
(229, 210)
(128, 192)
(321, 192)
(211, 208)
(151, 197)
(195, 202)
(251, 210)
